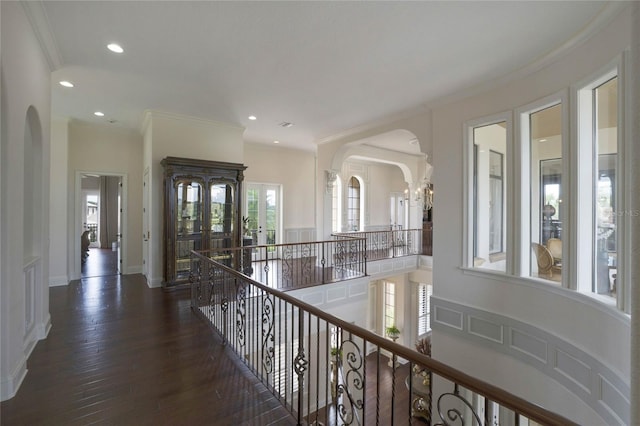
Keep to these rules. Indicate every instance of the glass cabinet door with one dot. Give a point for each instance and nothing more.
(188, 225)
(221, 196)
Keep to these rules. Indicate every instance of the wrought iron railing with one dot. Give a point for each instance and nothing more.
(327, 371)
(389, 243)
(93, 232)
(296, 265)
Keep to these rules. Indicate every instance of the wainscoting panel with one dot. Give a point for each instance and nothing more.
(334, 294)
(486, 329)
(529, 345)
(586, 377)
(573, 368)
(358, 289)
(447, 317)
(299, 235)
(31, 279)
(384, 268)
(611, 399)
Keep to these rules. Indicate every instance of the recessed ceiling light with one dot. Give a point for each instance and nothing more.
(253, 117)
(543, 140)
(285, 124)
(99, 114)
(276, 141)
(116, 48)
(66, 83)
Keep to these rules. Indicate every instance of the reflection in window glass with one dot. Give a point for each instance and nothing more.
(189, 200)
(606, 149)
(489, 197)
(496, 206)
(222, 208)
(546, 198)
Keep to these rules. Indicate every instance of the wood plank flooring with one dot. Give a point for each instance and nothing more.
(99, 263)
(120, 353)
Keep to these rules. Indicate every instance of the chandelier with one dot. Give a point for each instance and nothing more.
(424, 193)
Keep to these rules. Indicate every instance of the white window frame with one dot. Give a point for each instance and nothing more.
(360, 203)
(522, 265)
(424, 316)
(386, 304)
(583, 141)
(468, 189)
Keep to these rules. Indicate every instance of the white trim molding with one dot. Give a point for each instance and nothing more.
(585, 376)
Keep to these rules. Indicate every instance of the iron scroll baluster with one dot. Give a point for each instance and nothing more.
(351, 389)
(300, 364)
(455, 415)
(268, 336)
(241, 312)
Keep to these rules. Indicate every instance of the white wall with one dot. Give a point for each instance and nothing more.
(380, 180)
(295, 170)
(59, 203)
(25, 87)
(335, 150)
(597, 328)
(106, 150)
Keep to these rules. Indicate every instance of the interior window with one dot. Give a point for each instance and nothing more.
(389, 304)
(353, 204)
(547, 203)
(424, 311)
(489, 196)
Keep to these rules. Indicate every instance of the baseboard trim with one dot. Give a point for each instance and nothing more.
(154, 282)
(44, 328)
(137, 269)
(9, 385)
(58, 281)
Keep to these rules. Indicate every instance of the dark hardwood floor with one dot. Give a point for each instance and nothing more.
(120, 353)
(99, 263)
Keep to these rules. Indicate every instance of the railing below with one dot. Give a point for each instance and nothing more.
(327, 371)
(388, 244)
(93, 232)
(291, 266)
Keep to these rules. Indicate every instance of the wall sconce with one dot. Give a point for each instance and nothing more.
(428, 197)
(424, 194)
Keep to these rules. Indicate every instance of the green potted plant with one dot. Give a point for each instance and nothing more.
(393, 332)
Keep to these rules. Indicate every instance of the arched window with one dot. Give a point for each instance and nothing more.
(353, 204)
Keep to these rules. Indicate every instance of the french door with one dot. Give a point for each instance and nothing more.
(262, 207)
(398, 211)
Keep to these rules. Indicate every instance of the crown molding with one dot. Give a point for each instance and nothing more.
(39, 21)
(148, 115)
(608, 13)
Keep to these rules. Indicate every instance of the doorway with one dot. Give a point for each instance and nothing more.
(263, 212)
(101, 207)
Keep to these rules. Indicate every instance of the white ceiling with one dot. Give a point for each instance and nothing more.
(325, 66)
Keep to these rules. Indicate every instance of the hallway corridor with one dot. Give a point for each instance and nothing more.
(120, 353)
(100, 262)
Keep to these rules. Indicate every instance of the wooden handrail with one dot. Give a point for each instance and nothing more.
(519, 405)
